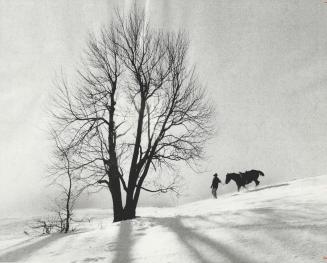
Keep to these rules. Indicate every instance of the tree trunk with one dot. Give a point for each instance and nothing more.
(68, 200)
(138, 188)
(67, 222)
(137, 195)
(114, 187)
(129, 210)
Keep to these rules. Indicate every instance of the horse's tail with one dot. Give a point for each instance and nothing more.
(261, 173)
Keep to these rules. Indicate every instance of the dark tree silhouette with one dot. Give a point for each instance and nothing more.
(136, 108)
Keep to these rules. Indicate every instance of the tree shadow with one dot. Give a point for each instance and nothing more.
(27, 250)
(276, 225)
(124, 244)
(18, 244)
(192, 239)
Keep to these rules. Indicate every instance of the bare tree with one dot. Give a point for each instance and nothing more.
(64, 176)
(138, 107)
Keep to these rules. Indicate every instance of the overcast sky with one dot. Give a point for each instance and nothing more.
(264, 63)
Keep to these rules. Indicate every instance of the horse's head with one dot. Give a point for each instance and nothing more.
(228, 178)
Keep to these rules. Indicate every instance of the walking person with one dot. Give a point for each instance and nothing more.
(214, 185)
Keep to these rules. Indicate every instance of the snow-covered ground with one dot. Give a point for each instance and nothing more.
(278, 223)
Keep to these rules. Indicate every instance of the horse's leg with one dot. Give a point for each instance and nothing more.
(238, 188)
(257, 182)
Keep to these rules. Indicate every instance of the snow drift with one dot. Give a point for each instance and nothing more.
(278, 223)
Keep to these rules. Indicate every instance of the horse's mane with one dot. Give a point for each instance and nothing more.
(235, 176)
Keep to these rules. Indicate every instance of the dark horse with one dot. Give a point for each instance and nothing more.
(242, 179)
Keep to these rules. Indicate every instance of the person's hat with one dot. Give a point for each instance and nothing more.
(215, 174)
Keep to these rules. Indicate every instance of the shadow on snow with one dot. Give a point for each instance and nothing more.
(25, 251)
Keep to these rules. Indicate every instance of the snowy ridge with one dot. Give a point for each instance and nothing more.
(284, 222)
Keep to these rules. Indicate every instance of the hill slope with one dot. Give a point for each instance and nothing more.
(278, 223)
